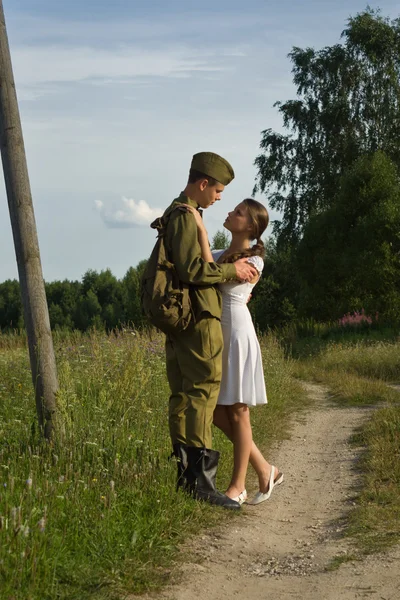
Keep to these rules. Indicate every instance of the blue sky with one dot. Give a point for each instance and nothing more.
(115, 98)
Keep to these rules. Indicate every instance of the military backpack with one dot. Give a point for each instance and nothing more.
(165, 299)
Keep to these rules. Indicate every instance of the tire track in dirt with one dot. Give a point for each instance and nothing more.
(281, 548)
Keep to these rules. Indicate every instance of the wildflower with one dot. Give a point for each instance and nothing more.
(357, 318)
(94, 480)
(14, 516)
(29, 483)
(42, 524)
(25, 530)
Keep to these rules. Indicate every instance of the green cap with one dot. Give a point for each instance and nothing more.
(214, 166)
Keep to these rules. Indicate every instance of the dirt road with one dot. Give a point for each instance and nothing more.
(280, 549)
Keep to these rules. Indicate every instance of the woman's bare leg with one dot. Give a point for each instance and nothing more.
(257, 461)
(239, 418)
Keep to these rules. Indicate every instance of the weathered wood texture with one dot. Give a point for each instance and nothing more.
(41, 351)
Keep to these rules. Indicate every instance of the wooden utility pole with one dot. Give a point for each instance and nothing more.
(36, 314)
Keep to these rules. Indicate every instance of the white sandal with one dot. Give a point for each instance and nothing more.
(260, 496)
(241, 498)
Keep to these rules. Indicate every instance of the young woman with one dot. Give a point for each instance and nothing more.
(242, 382)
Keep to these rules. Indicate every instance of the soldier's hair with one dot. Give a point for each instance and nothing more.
(259, 219)
(197, 175)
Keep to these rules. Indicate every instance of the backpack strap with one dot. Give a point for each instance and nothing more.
(161, 222)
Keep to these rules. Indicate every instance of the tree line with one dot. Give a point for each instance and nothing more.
(100, 300)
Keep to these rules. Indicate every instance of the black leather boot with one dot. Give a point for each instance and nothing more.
(180, 453)
(200, 476)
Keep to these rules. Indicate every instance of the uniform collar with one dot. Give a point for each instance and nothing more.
(188, 200)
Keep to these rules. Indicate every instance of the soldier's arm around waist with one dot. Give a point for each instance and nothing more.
(185, 251)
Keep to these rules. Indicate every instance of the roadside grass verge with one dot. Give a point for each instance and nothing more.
(346, 388)
(96, 514)
(377, 360)
(375, 522)
(310, 338)
(358, 375)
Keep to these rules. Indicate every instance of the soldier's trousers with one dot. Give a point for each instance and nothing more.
(194, 366)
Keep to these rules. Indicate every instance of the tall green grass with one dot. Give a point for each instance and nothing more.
(356, 373)
(96, 514)
(307, 338)
(375, 522)
(377, 360)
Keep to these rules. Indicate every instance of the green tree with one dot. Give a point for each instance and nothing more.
(63, 298)
(220, 241)
(275, 295)
(108, 291)
(347, 105)
(89, 312)
(131, 296)
(349, 257)
(58, 320)
(11, 316)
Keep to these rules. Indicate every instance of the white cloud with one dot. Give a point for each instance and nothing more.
(37, 66)
(49, 52)
(131, 214)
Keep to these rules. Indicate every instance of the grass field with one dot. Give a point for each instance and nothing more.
(96, 515)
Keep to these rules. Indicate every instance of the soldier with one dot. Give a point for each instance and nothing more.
(194, 356)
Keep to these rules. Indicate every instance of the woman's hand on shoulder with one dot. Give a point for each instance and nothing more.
(197, 216)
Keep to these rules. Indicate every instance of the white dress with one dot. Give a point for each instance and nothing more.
(242, 370)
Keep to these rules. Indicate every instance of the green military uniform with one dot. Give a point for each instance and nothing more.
(194, 356)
